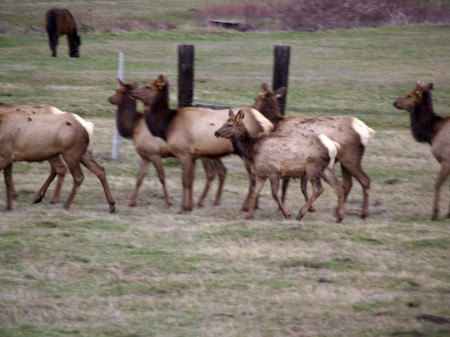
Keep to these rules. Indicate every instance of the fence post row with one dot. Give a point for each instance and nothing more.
(186, 79)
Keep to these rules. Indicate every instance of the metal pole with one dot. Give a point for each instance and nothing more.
(116, 140)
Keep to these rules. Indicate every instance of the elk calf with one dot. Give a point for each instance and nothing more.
(275, 156)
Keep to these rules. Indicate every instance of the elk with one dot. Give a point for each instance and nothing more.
(57, 167)
(41, 137)
(151, 149)
(349, 132)
(428, 127)
(276, 156)
(190, 131)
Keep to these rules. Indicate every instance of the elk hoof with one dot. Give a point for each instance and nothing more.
(435, 215)
(339, 219)
(132, 204)
(312, 209)
(112, 208)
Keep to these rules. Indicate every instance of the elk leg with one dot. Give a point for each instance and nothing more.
(78, 177)
(284, 187)
(304, 188)
(347, 182)
(7, 174)
(259, 183)
(158, 164)
(443, 174)
(143, 168)
(317, 191)
(188, 164)
(275, 185)
(210, 172)
(252, 181)
(329, 176)
(92, 165)
(357, 172)
(222, 173)
(57, 168)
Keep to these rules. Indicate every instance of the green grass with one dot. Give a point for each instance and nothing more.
(150, 271)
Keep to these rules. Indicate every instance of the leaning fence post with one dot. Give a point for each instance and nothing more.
(185, 75)
(281, 72)
(116, 140)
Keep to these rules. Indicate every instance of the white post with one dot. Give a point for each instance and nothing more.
(116, 141)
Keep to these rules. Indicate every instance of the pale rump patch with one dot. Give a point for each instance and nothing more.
(55, 111)
(365, 133)
(89, 126)
(332, 147)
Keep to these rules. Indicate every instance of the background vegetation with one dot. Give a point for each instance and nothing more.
(149, 271)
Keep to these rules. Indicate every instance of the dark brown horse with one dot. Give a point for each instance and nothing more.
(59, 21)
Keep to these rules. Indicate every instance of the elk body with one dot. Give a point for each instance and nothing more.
(275, 156)
(428, 127)
(190, 131)
(41, 137)
(151, 149)
(349, 132)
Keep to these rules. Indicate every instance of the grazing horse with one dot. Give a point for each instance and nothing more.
(59, 21)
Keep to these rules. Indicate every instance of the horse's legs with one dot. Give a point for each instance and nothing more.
(92, 165)
(53, 42)
(7, 174)
(443, 174)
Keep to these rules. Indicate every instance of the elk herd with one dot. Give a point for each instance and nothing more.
(272, 146)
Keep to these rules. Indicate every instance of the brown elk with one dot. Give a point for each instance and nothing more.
(41, 137)
(190, 131)
(275, 156)
(349, 132)
(151, 149)
(428, 127)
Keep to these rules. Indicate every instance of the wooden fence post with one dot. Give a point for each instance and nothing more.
(185, 75)
(281, 72)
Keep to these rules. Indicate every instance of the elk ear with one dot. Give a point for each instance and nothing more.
(240, 116)
(231, 113)
(121, 84)
(264, 88)
(430, 86)
(162, 78)
(280, 92)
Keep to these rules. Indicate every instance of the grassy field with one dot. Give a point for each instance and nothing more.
(150, 271)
